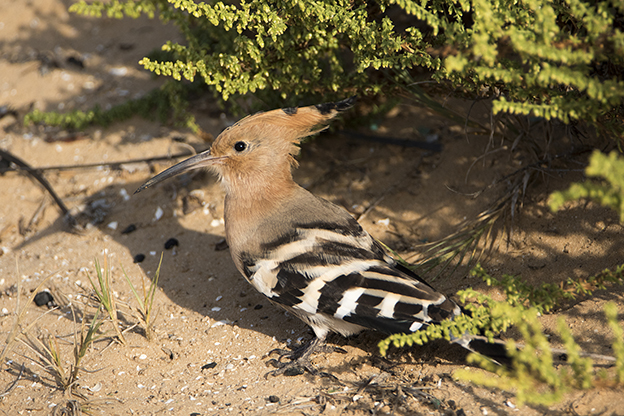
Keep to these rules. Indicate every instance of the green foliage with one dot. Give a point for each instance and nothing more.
(168, 101)
(547, 296)
(532, 374)
(561, 59)
(618, 343)
(609, 192)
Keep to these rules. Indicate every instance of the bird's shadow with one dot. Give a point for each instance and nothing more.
(197, 274)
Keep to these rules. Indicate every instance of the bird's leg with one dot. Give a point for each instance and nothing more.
(300, 359)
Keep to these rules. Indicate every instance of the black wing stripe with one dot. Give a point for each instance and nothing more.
(350, 229)
(385, 325)
(280, 241)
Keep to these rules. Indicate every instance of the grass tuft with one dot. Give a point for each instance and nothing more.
(49, 356)
(146, 301)
(105, 296)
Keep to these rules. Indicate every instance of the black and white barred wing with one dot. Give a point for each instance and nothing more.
(339, 279)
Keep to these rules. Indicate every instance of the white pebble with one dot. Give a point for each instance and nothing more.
(119, 71)
(113, 225)
(216, 223)
(124, 194)
(159, 213)
(216, 309)
(385, 221)
(142, 356)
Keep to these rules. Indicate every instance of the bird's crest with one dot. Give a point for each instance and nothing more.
(291, 124)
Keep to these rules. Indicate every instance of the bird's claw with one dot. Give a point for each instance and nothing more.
(292, 368)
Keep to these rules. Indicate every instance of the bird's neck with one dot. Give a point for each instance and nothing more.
(248, 202)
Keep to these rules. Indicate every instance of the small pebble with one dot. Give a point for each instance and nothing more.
(258, 306)
(158, 214)
(112, 225)
(129, 229)
(209, 366)
(273, 399)
(139, 258)
(172, 242)
(44, 298)
(119, 71)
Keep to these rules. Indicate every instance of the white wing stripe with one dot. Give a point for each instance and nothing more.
(348, 303)
(312, 292)
(386, 308)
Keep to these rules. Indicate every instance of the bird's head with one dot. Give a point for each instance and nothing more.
(260, 147)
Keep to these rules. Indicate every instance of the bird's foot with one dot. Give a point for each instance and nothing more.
(299, 359)
(291, 368)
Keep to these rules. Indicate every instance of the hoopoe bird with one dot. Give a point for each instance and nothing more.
(302, 252)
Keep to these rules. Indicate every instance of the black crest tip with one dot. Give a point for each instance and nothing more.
(343, 105)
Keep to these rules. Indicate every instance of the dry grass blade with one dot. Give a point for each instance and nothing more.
(10, 388)
(19, 314)
(82, 344)
(146, 302)
(475, 237)
(105, 296)
(49, 356)
(68, 408)
(464, 242)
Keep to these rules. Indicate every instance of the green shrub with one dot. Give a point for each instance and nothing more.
(159, 104)
(532, 374)
(609, 192)
(561, 59)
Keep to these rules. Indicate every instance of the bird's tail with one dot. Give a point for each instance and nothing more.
(495, 350)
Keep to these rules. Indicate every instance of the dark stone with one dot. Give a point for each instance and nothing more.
(77, 62)
(129, 229)
(139, 258)
(44, 298)
(171, 243)
(209, 366)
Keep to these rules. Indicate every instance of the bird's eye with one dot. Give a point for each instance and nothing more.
(240, 146)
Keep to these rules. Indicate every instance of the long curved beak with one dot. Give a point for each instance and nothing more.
(195, 162)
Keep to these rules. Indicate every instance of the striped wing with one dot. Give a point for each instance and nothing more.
(330, 275)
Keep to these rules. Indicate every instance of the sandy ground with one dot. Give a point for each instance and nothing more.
(213, 331)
